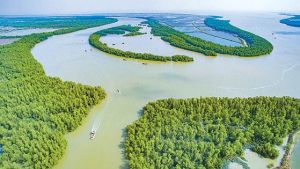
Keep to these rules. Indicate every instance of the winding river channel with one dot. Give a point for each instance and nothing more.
(71, 58)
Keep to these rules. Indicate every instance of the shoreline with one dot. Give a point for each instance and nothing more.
(285, 162)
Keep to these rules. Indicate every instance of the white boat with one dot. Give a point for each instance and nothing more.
(92, 134)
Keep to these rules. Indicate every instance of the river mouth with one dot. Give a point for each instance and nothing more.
(75, 60)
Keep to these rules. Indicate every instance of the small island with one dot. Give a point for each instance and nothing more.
(292, 21)
(94, 40)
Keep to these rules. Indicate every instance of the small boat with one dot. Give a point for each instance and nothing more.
(113, 44)
(145, 63)
(118, 91)
(92, 134)
(123, 43)
(150, 38)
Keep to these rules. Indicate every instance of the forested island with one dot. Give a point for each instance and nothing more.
(36, 111)
(256, 45)
(292, 21)
(94, 40)
(209, 132)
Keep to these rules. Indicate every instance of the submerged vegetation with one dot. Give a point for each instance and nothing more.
(256, 45)
(208, 132)
(94, 40)
(36, 110)
(292, 21)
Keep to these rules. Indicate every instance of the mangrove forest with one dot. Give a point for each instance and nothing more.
(36, 111)
(209, 132)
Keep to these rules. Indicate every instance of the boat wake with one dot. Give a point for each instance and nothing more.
(277, 82)
(95, 127)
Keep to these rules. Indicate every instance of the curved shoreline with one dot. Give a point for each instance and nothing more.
(256, 45)
(94, 40)
(287, 21)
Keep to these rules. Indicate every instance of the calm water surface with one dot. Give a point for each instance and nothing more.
(71, 58)
(7, 41)
(10, 31)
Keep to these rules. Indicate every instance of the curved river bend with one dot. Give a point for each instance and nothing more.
(71, 58)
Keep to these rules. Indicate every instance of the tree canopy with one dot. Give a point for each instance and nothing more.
(36, 110)
(208, 132)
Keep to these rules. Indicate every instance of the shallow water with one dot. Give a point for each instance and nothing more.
(10, 31)
(256, 161)
(7, 41)
(296, 153)
(229, 41)
(273, 75)
(193, 25)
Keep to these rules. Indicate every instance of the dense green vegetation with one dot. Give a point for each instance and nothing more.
(94, 40)
(292, 21)
(119, 30)
(134, 34)
(209, 132)
(181, 58)
(36, 110)
(53, 21)
(256, 45)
